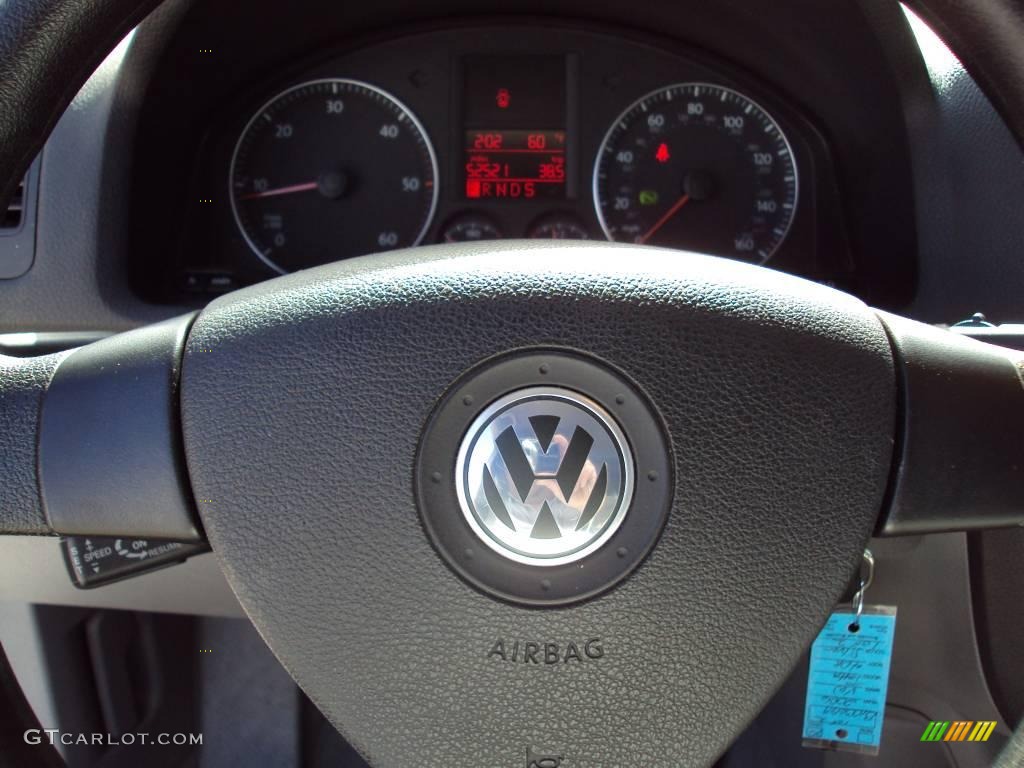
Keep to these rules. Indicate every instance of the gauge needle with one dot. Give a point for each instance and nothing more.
(281, 191)
(661, 222)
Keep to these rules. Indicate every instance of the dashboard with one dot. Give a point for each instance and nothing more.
(495, 131)
(901, 172)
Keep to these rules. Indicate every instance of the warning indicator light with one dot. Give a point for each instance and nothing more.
(662, 155)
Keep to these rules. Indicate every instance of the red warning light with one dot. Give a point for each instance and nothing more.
(662, 155)
(503, 99)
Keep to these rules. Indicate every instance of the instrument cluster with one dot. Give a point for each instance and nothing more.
(501, 132)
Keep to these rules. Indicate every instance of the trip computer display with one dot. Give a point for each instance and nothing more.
(514, 138)
(515, 163)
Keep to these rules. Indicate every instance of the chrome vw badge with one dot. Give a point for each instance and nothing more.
(545, 504)
(544, 476)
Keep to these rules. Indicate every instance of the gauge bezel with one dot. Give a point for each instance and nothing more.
(621, 117)
(410, 115)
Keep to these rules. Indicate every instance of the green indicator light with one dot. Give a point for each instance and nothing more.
(648, 197)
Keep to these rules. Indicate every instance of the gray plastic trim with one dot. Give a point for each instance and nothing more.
(32, 570)
(79, 279)
(18, 246)
(30, 344)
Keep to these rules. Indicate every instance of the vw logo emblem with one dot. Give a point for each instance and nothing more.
(544, 476)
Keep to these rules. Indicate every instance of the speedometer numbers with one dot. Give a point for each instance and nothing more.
(334, 168)
(698, 167)
(330, 169)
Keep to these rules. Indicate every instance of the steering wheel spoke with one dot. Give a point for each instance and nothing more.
(23, 383)
(94, 445)
(960, 451)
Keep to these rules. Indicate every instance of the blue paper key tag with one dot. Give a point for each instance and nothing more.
(849, 676)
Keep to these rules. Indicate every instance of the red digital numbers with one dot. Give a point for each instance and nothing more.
(553, 170)
(500, 189)
(482, 168)
(515, 164)
(487, 141)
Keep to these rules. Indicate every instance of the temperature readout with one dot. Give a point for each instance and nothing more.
(510, 164)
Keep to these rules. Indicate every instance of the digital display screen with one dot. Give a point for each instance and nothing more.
(515, 140)
(515, 164)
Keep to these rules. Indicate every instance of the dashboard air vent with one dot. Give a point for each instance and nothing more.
(15, 209)
(18, 226)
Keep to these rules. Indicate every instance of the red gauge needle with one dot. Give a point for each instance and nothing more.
(661, 222)
(281, 191)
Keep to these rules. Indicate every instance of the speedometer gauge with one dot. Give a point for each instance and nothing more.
(330, 169)
(699, 167)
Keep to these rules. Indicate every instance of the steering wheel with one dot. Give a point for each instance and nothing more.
(486, 501)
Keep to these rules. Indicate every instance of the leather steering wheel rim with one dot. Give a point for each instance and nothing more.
(49, 47)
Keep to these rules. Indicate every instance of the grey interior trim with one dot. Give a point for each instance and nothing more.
(31, 344)
(18, 246)
(21, 639)
(78, 280)
(32, 571)
(991, 333)
(928, 579)
(1010, 335)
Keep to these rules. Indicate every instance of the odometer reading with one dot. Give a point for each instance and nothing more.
(513, 164)
(331, 169)
(698, 167)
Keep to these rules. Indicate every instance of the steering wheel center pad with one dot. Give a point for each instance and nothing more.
(303, 402)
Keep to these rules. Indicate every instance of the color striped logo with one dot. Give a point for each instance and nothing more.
(958, 730)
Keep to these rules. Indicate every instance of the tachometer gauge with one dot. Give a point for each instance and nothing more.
(699, 167)
(330, 169)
